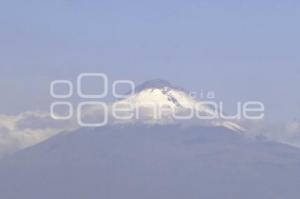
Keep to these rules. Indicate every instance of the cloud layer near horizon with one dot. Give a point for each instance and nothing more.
(29, 128)
(26, 129)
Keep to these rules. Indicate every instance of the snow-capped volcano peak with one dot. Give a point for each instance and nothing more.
(161, 93)
(158, 101)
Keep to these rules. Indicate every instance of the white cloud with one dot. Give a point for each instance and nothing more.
(26, 129)
(29, 128)
(284, 132)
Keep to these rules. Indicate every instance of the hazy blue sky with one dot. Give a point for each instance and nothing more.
(243, 50)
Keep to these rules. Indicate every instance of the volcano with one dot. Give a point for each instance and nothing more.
(164, 160)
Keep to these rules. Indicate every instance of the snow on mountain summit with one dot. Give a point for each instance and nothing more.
(160, 92)
(170, 100)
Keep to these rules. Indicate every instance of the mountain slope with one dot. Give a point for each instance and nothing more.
(167, 162)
